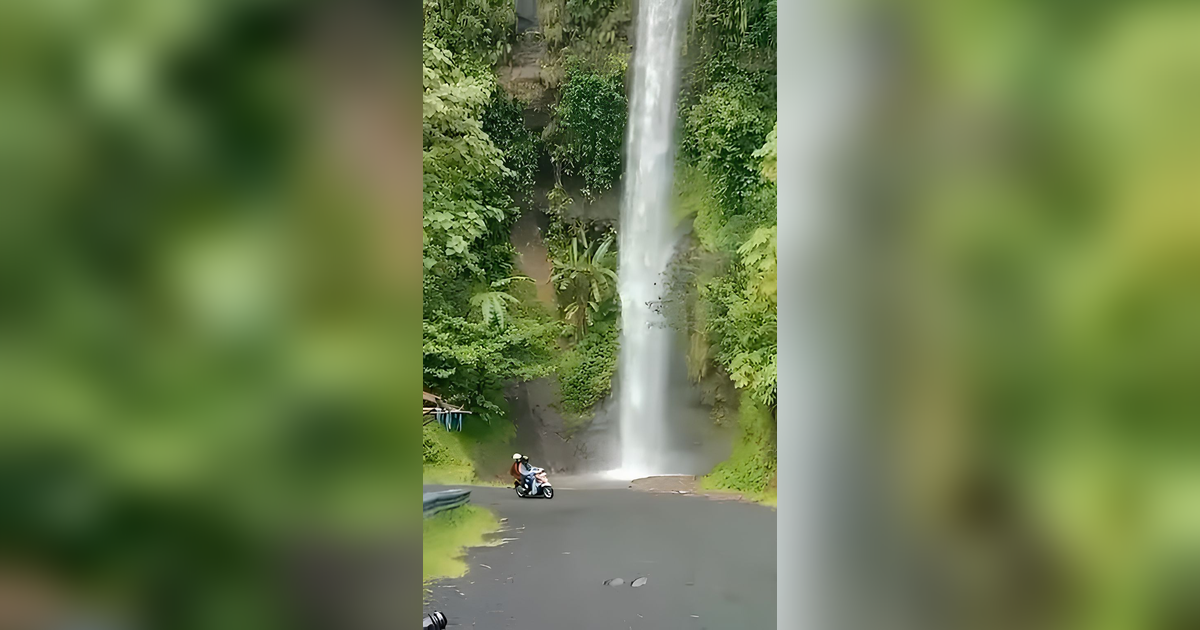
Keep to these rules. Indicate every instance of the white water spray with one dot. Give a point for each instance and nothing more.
(647, 238)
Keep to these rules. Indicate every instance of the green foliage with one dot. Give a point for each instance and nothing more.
(493, 305)
(558, 201)
(199, 366)
(724, 230)
(585, 16)
(444, 459)
(585, 278)
(726, 181)
(733, 39)
(729, 21)
(769, 154)
(434, 451)
(752, 466)
(1059, 275)
(742, 328)
(759, 265)
(481, 31)
(470, 362)
(745, 326)
(585, 371)
(467, 216)
(590, 127)
(722, 132)
(592, 29)
(718, 228)
(585, 282)
(729, 297)
(463, 196)
(504, 123)
(488, 446)
(691, 191)
(476, 454)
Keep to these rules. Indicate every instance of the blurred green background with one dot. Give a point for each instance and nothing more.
(1039, 245)
(210, 338)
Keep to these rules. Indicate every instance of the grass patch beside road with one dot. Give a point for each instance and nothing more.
(447, 536)
(476, 455)
(445, 458)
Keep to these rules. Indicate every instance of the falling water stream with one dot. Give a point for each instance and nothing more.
(647, 239)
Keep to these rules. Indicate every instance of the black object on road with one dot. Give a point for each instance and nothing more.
(435, 621)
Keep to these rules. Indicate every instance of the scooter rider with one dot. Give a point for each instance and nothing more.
(515, 469)
(522, 470)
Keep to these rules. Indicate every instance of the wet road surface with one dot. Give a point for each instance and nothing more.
(706, 565)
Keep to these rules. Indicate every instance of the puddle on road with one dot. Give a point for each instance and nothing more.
(640, 582)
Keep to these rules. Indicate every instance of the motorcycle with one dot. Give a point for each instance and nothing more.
(544, 489)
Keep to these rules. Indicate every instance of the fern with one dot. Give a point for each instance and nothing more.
(493, 305)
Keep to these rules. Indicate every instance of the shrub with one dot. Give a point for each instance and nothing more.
(589, 126)
(723, 130)
(752, 465)
(484, 29)
(586, 371)
(504, 123)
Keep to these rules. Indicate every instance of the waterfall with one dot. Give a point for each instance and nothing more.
(647, 239)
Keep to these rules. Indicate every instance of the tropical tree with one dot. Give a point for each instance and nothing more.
(586, 278)
(464, 201)
(476, 156)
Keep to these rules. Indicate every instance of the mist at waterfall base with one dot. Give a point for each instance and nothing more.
(647, 239)
(691, 442)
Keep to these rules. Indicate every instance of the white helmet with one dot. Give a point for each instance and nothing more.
(516, 457)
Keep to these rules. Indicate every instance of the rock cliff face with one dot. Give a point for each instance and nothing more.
(696, 444)
(542, 432)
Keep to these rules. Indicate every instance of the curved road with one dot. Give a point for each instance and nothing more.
(708, 564)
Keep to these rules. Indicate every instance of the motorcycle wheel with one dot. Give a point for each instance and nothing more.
(521, 491)
(548, 492)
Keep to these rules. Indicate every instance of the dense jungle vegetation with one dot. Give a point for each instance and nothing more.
(483, 325)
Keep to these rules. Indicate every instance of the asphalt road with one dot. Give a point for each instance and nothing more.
(708, 564)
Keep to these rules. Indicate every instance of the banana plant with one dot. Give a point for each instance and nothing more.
(585, 279)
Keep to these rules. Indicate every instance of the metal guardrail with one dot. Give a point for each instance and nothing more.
(435, 502)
